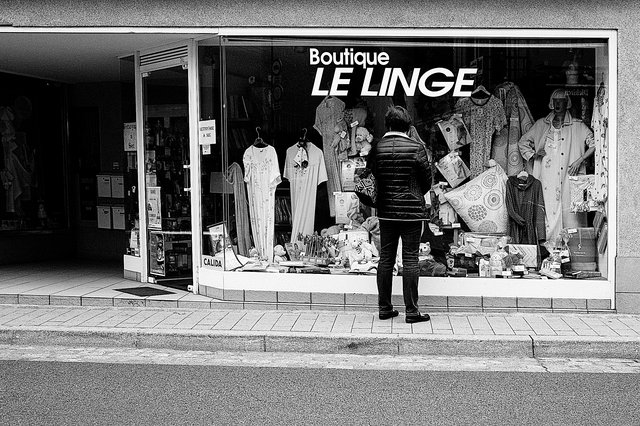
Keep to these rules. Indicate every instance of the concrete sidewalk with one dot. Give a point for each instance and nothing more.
(448, 334)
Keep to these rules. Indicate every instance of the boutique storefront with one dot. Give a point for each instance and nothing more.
(231, 145)
(247, 150)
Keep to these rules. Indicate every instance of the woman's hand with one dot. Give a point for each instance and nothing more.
(575, 167)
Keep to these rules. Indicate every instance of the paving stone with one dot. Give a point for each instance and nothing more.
(214, 292)
(499, 302)
(598, 305)
(464, 301)
(433, 301)
(248, 321)
(260, 306)
(357, 299)
(569, 304)
(33, 299)
(153, 303)
(293, 297)
(517, 323)
(293, 307)
(534, 302)
(479, 323)
(260, 296)
(328, 299)
(235, 295)
(192, 319)
(189, 304)
(219, 304)
(65, 300)
(96, 301)
(8, 298)
(129, 302)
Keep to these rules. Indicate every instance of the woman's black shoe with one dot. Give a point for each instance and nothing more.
(417, 318)
(387, 315)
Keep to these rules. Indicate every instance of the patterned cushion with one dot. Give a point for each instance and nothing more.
(481, 201)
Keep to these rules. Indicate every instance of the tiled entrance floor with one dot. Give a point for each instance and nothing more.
(84, 284)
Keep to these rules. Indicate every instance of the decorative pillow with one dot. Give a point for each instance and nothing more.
(481, 201)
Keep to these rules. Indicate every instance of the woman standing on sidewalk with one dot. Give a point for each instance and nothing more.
(401, 167)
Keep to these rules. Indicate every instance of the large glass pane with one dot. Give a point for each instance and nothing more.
(130, 168)
(518, 180)
(217, 180)
(32, 160)
(168, 206)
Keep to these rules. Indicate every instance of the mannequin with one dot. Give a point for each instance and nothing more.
(555, 148)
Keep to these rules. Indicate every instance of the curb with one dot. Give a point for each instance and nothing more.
(521, 346)
(586, 347)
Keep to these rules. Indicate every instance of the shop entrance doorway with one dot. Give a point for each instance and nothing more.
(167, 162)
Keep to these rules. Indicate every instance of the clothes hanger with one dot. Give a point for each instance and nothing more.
(523, 175)
(601, 88)
(259, 142)
(480, 92)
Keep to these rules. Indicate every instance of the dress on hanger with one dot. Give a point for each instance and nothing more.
(483, 118)
(304, 180)
(525, 205)
(235, 178)
(262, 175)
(328, 114)
(600, 125)
(519, 119)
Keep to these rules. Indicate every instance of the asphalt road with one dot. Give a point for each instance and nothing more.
(100, 393)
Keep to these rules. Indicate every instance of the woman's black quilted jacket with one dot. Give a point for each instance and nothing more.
(403, 175)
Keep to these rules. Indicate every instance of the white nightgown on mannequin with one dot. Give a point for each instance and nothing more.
(262, 175)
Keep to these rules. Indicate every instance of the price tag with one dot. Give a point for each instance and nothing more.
(343, 134)
(206, 149)
(355, 123)
(455, 225)
(572, 230)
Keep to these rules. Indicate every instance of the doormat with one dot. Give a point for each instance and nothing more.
(144, 291)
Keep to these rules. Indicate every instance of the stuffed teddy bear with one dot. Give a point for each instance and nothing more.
(363, 141)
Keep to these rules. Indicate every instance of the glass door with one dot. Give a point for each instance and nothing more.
(167, 164)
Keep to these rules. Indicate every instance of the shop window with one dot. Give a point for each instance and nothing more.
(32, 166)
(516, 131)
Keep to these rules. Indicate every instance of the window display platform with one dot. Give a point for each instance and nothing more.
(455, 294)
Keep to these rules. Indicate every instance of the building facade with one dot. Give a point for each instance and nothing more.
(205, 92)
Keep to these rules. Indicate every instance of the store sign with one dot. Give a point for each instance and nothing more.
(433, 82)
(207, 130)
(154, 207)
(212, 262)
(130, 137)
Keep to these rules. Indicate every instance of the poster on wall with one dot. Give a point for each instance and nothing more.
(156, 254)
(218, 235)
(154, 208)
(130, 137)
(347, 204)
